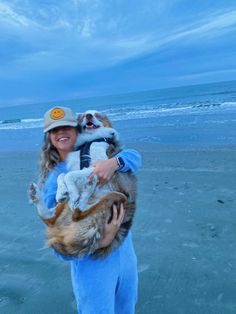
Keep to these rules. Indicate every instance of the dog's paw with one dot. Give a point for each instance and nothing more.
(33, 193)
(73, 202)
(62, 197)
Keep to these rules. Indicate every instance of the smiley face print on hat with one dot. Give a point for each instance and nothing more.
(57, 113)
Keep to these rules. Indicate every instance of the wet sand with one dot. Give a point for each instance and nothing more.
(185, 231)
(184, 234)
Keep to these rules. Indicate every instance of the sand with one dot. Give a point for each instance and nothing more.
(184, 234)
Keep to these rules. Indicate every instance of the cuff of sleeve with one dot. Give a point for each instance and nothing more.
(120, 163)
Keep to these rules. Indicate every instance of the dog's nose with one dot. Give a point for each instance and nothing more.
(89, 116)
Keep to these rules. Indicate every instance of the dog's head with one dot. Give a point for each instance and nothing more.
(92, 121)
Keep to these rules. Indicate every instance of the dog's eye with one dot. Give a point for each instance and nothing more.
(98, 116)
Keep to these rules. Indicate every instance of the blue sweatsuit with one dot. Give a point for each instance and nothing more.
(102, 286)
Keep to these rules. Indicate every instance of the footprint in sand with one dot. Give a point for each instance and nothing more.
(143, 267)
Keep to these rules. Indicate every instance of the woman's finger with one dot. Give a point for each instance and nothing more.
(115, 215)
(121, 214)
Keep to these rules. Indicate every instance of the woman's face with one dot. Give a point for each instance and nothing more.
(64, 139)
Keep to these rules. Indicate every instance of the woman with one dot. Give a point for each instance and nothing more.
(104, 285)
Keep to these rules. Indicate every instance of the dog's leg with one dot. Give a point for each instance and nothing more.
(74, 191)
(36, 199)
(105, 203)
(88, 190)
(62, 190)
(33, 193)
(49, 216)
(57, 212)
(76, 181)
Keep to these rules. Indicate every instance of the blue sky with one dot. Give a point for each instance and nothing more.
(67, 49)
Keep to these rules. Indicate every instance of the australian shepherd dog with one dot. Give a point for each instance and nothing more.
(76, 224)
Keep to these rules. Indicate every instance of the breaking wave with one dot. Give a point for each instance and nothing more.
(132, 111)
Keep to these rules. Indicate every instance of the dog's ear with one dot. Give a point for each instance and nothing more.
(107, 122)
(80, 118)
(104, 119)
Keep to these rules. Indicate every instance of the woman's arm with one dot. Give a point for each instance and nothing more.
(105, 169)
(132, 160)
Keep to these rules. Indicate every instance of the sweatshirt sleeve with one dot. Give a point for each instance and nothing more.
(50, 186)
(132, 160)
(50, 190)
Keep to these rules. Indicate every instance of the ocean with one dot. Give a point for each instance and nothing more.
(199, 115)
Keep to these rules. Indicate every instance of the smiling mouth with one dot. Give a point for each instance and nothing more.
(90, 126)
(62, 139)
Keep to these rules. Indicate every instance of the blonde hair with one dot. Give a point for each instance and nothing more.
(48, 160)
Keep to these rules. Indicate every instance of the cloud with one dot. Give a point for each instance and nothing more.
(54, 41)
(213, 25)
(10, 17)
(86, 39)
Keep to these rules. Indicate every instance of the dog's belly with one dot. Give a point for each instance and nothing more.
(82, 237)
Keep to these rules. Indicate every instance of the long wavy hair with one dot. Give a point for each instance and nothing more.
(49, 157)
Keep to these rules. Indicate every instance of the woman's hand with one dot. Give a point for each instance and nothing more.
(104, 169)
(111, 228)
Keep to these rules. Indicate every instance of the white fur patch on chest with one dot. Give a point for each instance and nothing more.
(98, 151)
(102, 132)
(73, 161)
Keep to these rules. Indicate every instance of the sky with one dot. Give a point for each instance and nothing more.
(71, 49)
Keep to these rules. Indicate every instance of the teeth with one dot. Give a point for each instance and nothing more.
(92, 126)
(63, 139)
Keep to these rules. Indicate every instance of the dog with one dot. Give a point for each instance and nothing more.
(76, 224)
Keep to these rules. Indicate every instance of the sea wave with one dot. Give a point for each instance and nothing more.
(132, 111)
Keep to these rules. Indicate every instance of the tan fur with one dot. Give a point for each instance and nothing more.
(100, 206)
(82, 237)
(58, 210)
(104, 119)
(77, 238)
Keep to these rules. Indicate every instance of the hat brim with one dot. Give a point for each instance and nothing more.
(60, 123)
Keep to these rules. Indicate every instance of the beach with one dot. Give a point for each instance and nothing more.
(184, 235)
(184, 229)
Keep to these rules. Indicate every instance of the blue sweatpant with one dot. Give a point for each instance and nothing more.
(106, 286)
